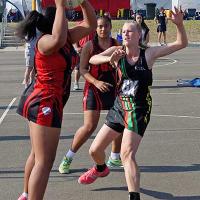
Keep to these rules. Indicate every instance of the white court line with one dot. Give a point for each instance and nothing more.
(153, 115)
(177, 116)
(166, 80)
(7, 110)
(175, 93)
(171, 63)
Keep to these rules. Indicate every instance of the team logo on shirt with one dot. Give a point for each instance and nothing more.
(129, 88)
(46, 110)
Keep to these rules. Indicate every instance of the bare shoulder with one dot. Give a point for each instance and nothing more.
(88, 48)
(151, 55)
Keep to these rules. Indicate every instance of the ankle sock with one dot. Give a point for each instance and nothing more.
(114, 155)
(70, 154)
(134, 196)
(25, 194)
(101, 168)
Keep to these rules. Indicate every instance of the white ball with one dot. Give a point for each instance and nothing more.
(71, 4)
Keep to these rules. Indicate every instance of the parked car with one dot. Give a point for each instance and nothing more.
(191, 13)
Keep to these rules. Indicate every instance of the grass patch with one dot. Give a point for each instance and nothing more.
(192, 28)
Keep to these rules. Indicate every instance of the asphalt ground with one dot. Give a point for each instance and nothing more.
(169, 155)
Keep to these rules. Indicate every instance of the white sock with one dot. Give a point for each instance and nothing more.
(115, 155)
(70, 154)
(25, 194)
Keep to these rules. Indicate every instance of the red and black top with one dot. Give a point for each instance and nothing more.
(94, 99)
(42, 102)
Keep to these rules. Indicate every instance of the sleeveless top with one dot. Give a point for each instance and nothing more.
(53, 71)
(104, 72)
(134, 79)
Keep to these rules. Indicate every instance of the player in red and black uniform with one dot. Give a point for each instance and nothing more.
(78, 47)
(97, 98)
(130, 113)
(99, 90)
(43, 101)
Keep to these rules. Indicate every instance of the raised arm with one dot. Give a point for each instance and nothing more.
(181, 40)
(88, 25)
(51, 43)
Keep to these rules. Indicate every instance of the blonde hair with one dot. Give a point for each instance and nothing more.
(134, 23)
(139, 29)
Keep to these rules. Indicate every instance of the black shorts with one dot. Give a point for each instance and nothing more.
(95, 100)
(161, 28)
(127, 114)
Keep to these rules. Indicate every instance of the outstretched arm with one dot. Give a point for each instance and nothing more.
(181, 40)
(103, 57)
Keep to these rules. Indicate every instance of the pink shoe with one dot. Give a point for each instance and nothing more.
(91, 175)
(22, 197)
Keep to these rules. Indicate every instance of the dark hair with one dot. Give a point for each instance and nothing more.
(143, 24)
(106, 18)
(44, 23)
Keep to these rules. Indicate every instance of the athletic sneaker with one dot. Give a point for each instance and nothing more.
(64, 165)
(76, 86)
(114, 162)
(92, 174)
(22, 197)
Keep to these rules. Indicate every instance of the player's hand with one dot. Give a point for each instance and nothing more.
(177, 16)
(116, 56)
(102, 86)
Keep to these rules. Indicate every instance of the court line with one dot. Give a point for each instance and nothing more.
(175, 93)
(153, 115)
(153, 93)
(171, 63)
(159, 80)
(176, 116)
(7, 110)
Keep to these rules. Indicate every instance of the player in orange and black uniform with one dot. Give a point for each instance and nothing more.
(43, 101)
(99, 92)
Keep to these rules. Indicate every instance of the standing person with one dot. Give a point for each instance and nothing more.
(161, 20)
(43, 101)
(29, 59)
(130, 114)
(144, 28)
(119, 37)
(99, 92)
(78, 47)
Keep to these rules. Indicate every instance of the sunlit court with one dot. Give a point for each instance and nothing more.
(138, 64)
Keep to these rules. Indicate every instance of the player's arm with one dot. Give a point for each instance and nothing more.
(84, 69)
(153, 53)
(103, 57)
(52, 43)
(88, 24)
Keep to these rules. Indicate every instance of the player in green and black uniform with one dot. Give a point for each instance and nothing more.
(132, 106)
(131, 111)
